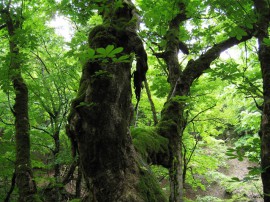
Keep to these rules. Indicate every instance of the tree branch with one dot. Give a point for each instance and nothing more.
(43, 130)
(196, 68)
(13, 180)
(200, 113)
(42, 62)
(6, 123)
(70, 172)
(45, 146)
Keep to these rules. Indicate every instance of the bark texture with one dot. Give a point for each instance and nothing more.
(24, 177)
(263, 14)
(100, 117)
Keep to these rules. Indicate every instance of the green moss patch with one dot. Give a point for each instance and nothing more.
(149, 187)
(148, 142)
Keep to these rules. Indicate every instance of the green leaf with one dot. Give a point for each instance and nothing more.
(123, 58)
(255, 170)
(91, 53)
(250, 26)
(109, 48)
(115, 51)
(235, 179)
(238, 37)
(101, 51)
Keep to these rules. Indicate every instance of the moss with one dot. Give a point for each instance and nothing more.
(149, 187)
(166, 128)
(96, 29)
(101, 36)
(147, 141)
(173, 108)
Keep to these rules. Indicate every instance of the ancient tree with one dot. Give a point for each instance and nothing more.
(100, 115)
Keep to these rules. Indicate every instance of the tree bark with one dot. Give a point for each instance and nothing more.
(78, 183)
(24, 176)
(263, 14)
(100, 117)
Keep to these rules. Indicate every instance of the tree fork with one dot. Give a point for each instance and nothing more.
(173, 119)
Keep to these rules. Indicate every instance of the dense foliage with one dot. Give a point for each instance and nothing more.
(221, 109)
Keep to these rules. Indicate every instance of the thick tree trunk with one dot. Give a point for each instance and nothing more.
(100, 118)
(262, 8)
(24, 177)
(104, 142)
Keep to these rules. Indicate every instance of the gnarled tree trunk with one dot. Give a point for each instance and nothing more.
(173, 118)
(100, 117)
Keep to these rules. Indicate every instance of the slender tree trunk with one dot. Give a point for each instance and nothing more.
(56, 189)
(153, 108)
(263, 13)
(24, 176)
(55, 153)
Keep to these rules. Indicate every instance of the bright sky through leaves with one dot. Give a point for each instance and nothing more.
(62, 27)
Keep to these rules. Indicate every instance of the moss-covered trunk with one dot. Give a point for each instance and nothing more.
(100, 117)
(24, 177)
(173, 118)
(263, 13)
(171, 126)
(173, 121)
(104, 142)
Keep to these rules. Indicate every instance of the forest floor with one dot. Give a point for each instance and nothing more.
(222, 189)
